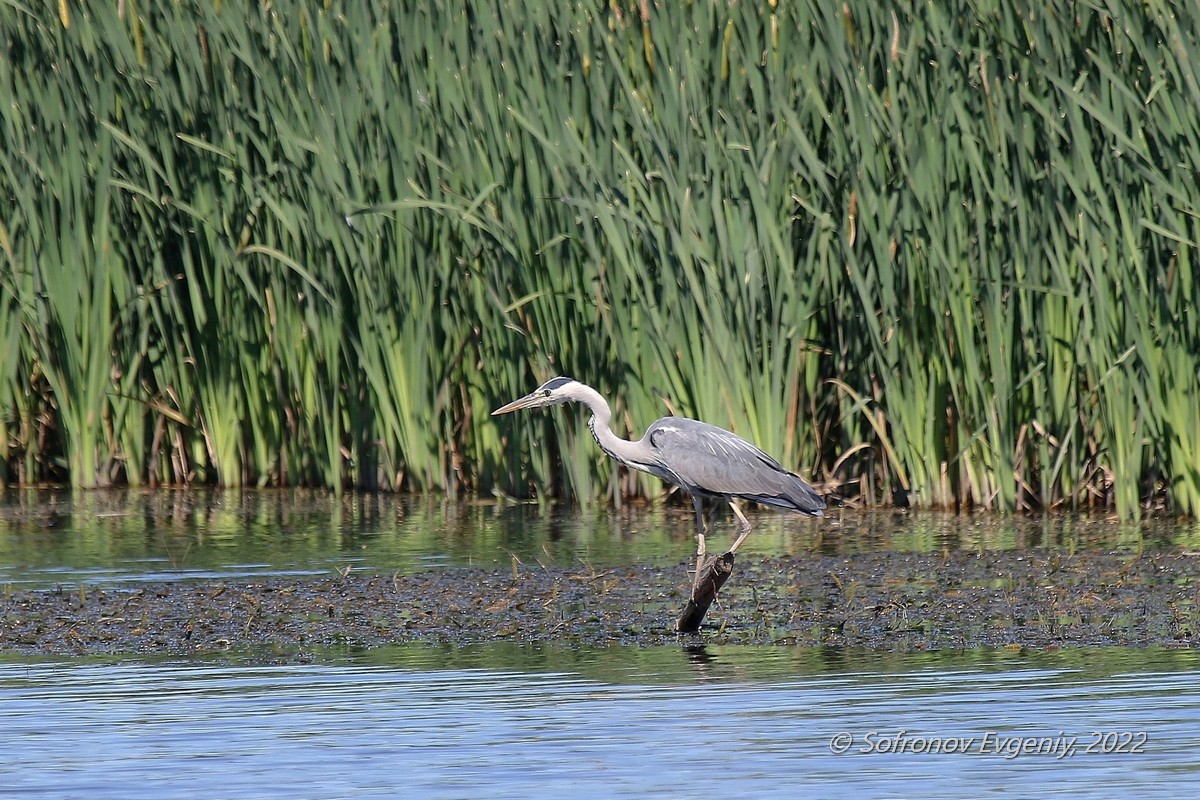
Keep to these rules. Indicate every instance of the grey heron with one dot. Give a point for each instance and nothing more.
(701, 459)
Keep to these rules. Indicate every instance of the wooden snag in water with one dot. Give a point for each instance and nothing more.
(716, 571)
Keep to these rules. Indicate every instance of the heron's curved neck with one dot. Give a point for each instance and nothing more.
(622, 450)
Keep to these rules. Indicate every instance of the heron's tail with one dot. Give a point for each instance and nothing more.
(805, 499)
(796, 496)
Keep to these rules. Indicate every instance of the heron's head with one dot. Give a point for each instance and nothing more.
(550, 393)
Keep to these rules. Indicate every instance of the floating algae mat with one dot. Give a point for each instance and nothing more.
(189, 573)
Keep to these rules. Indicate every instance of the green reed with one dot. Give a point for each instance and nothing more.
(925, 257)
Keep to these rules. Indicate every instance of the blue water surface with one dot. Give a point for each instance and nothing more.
(513, 721)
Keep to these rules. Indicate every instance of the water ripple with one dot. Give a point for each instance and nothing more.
(358, 727)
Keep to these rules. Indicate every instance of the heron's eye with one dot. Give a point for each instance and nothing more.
(546, 393)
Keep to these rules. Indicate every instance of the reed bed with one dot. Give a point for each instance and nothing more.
(935, 258)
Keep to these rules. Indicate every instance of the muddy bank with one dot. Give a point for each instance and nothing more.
(888, 601)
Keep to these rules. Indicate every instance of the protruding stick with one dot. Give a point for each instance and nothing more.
(709, 581)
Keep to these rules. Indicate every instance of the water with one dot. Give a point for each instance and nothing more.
(50, 539)
(507, 721)
(524, 721)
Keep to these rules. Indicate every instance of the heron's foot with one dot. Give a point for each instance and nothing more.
(745, 531)
(700, 553)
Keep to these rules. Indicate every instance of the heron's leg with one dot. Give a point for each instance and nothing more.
(745, 527)
(700, 550)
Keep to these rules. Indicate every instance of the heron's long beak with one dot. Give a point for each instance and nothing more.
(516, 405)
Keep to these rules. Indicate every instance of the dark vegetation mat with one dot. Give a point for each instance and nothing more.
(1035, 599)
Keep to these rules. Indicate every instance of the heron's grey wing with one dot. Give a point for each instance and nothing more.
(712, 460)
